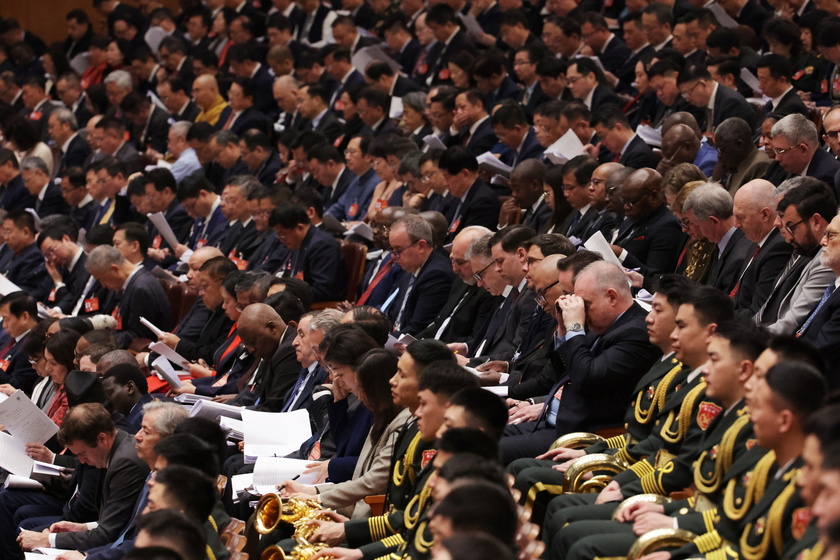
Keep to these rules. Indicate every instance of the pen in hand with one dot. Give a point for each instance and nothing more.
(282, 486)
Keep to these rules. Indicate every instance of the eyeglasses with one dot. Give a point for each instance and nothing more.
(384, 228)
(829, 235)
(630, 202)
(596, 182)
(477, 275)
(398, 252)
(832, 134)
(459, 262)
(540, 297)
(687, 94)
(782, 151)
(792, 227)
(533, 260)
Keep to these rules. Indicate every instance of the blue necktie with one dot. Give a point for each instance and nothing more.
(827, 294)
(300, 381)
(141, 505)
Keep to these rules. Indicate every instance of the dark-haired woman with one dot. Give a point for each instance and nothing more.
(373, 372)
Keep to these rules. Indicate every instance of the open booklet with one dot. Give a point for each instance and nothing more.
(213, 410)
(274, 434)
(24, 421)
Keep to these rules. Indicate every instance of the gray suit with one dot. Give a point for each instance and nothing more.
(124, 478)
(801, 299)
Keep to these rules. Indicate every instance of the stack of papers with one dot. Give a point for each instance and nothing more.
(433, 141)
(597, 243)
(162, 366)
(273, 434)
(174, 357)
(159, 221)
(189, 398)
(271, 472)
(235, 428)
(213, 410)
(24, 421)
(362, 230)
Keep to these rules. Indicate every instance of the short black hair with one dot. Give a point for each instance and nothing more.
(801, 387)
(122, 374)
(456, 159)
(608, 116)
(176, 527)
(429, 350)
(481, 506)
(675, 288)
(711, 305)
(194, 491)
(445, 378)
(20, 303)
(778, 65)
(188, 450)
(486, 410)
(288, 216)
(810, 197)
(744, 337)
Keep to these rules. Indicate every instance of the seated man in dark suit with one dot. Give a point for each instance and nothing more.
(697, 86)
(313, 103)
(161, 192)
(511, 127)
(174, 95)
(141, 295)
(654, 240)
(586, 82)
(466, 309)
(113, 143)
(526, 185)
(66, 263)
(15, 195)
(241, 115)
(123, 476)
(796, 143)
(595, 371)
(26, 267)
(491, 77)
(74, 191)
(47, 193)
(73, 150)
(245, 63)
(610, 50)
(327, 167)
(315, 255)
(443, 23)
(822, 325)
(257, 153)
(472, 121)
(477, 204)
(384, 78)
(149, 123)
(126, 388)
(19, 312)
(616, 134)
(374, 108)
(425, 288)
(775, 73)
(204, 206)
(709, 211)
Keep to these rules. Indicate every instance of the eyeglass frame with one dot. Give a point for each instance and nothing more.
(540, 297)
(477, 275)
(630, 203)
(397, 253)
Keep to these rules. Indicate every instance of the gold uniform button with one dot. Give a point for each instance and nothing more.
(683, 511)
(738, 501)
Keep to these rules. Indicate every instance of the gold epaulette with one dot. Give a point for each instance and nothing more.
(683, 417)
(708, 542)
(772, 532)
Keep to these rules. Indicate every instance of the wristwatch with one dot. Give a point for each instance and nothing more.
(575, 327)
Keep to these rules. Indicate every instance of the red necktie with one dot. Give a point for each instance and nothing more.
(230, 120)
(376, 279)
(738, 285)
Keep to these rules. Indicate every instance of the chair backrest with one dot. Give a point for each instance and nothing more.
(175, 294)
(354, 257)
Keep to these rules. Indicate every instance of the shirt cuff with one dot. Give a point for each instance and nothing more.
(51, 538)
(92, 525)
(503, 377)
(572, 334)
(623, 255)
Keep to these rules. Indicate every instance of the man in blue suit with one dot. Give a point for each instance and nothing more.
(424, 290)
(315, 255)
(475, 203)
(511, 127)
(20, 315)
(26, 267)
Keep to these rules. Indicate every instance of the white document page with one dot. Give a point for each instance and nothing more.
(159, 220)
(170, 354)
(599, 244)
(13, 456)
(270, 472)
(274, 433)
(25, 421)
(164, 368)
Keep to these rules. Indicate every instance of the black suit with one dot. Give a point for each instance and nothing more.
(330, 126)
(202, 331)
(144, 297)
(404, 86)
(407, 57)
(53, 202)
(248, 119)
(823, 333)
(77, 152)
(268, 169)
(421, 298)
(74, 283)
(653, 243)
(604, 96)
(189, 113)
(439, 56)
(506, 90)
(234, 240)
(273, 379)
(614, 56)
(480, 208)
(626, 73)
(638, 155)
(119, 487)
(823, 166)
(725, 267)
(789, 103)
(16, 370)
(575, 224)
(758, 279)
(41, 115)
(320, 263)
(538, 220)
(16, 197)
(597, 374)
(463, 313)
(83, 215)
(263, 82)
(730, 103)
(482, 140)
(331, 195)
(155, 133)
(26, 269)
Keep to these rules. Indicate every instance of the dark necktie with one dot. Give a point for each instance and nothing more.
(826, 295)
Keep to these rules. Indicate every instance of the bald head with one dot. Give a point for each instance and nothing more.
(544, 273)
(204, 254)
(753, 207)
(529, 170)
(680, 144)
(207, 81)
(261, 328)
(605, 288)
(681, 117)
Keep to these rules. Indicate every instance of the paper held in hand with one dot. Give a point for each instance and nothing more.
(565, 148)
(270, 472)
(489, 162)
(171, 355)
(159, 221)
(164, 368)
(599, 244)
(274, 434)
(151, 326)
(25, 421)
